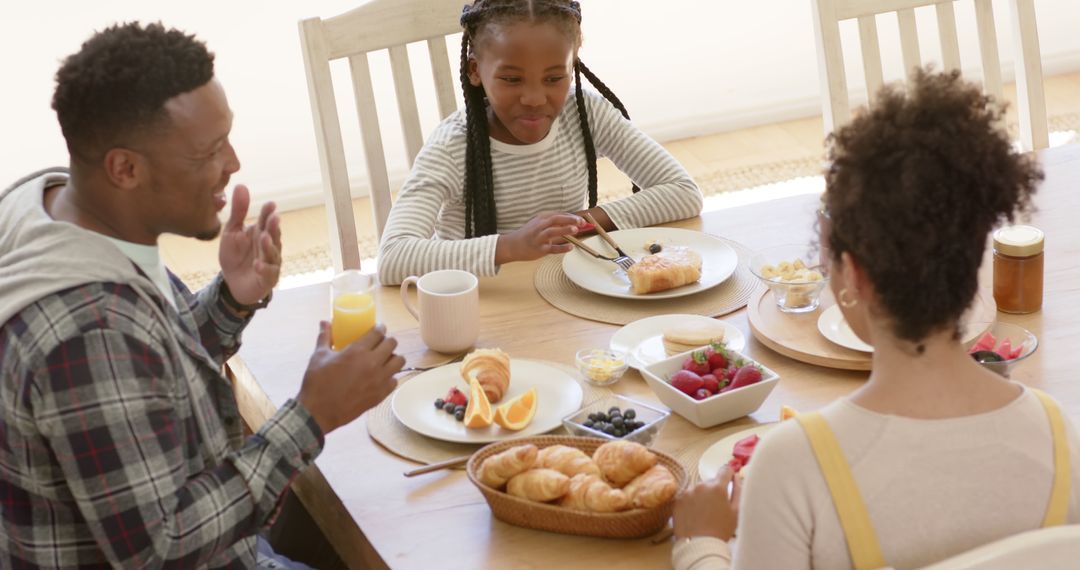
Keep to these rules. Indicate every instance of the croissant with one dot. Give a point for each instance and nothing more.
(491, 368)
(652, 488)
(567, 460)
(621, 461)
(673, 267)
(496, 470)
(539, 485)
(590, 493)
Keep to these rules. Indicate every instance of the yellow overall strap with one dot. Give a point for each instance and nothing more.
(859, 532)
(1058, 509)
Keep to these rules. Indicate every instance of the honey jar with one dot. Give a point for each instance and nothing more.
(1018, 269)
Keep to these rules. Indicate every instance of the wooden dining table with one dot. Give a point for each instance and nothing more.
(375, 517)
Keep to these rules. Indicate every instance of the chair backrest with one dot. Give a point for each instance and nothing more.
(377, 25)
(1051, 548)
(1029, 79)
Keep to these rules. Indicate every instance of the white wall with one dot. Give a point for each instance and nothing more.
(683, 67)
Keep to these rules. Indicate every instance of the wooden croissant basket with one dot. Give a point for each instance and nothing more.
(633, 523)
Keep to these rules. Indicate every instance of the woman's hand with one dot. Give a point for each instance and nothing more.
(538, 237)
(706, 509)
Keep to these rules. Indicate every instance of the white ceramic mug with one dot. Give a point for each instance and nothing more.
(449, 311)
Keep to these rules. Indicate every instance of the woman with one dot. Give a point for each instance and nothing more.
(943, 454)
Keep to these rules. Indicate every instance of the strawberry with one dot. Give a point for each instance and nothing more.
(687, 382)
(745, 376)
(729, 373)
(717, 356)
(710, 383)
(697, 362)
(701, 394)
(457, 397)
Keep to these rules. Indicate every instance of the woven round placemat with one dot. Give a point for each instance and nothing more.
(558, 290)
(389, 432)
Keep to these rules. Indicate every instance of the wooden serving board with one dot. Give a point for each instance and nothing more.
(797, 336)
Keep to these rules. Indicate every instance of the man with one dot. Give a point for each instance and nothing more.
(120, 441)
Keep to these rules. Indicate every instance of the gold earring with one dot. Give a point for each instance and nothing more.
(847, 303)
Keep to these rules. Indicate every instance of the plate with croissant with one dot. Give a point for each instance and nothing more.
(671, 262)
(498, 379)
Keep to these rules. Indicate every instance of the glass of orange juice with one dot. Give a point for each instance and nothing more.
(353, 305)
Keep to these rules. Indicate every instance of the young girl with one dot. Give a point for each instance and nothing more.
(497, 181)
(944, 454)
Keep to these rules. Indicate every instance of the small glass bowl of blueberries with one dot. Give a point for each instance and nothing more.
(617, 417)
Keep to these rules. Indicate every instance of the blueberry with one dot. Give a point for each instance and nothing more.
(587, 423)
(439, 403)
(602, 417)
(619, 432)
(618, 422)
(459, 415)
(613, 409)
(629, 414)
(654, 248)
(594, 417)
(459, 409)
(449, 407)
(609, 429)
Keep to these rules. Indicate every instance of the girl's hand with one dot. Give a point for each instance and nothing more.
(706, 510)
(538, 237)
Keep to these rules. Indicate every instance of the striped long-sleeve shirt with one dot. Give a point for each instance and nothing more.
(426, 228)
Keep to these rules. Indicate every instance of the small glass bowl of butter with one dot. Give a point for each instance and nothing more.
(601, 366)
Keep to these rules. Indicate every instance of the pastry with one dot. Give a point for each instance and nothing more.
(652, 488)
(491, 368)
(621, 461)
(569, 461)
(539, 485)
(674, 266)
(683, 338)
(591, 493)
(496, 470)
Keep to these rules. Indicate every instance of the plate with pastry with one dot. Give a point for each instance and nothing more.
(670, 262)
(652, 339)
(487, 397)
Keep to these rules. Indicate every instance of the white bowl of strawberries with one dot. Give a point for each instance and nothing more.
(711, 385)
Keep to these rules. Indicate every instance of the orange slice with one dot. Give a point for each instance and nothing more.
(517, 413)
(478, 413)
(787, 412)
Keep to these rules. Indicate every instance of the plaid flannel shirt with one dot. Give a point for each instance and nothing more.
(121, 442)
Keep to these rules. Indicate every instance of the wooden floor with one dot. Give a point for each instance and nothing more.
(304, 230)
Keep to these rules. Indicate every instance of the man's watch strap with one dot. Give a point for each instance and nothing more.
(239, 307)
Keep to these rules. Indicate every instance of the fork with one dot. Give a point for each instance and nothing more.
(623, 260)
(433, 366)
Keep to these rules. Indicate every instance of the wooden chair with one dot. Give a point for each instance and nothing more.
(377, 25)
(1029, 79)
(1052, 548)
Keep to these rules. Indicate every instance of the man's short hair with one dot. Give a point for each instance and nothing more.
(119, 81)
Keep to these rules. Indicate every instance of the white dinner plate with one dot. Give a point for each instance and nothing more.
(605, 278)
(643, 339)
(557, 396)
(719, 453)
(831, 325)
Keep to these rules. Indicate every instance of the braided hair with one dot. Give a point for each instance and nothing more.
(480, 216)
